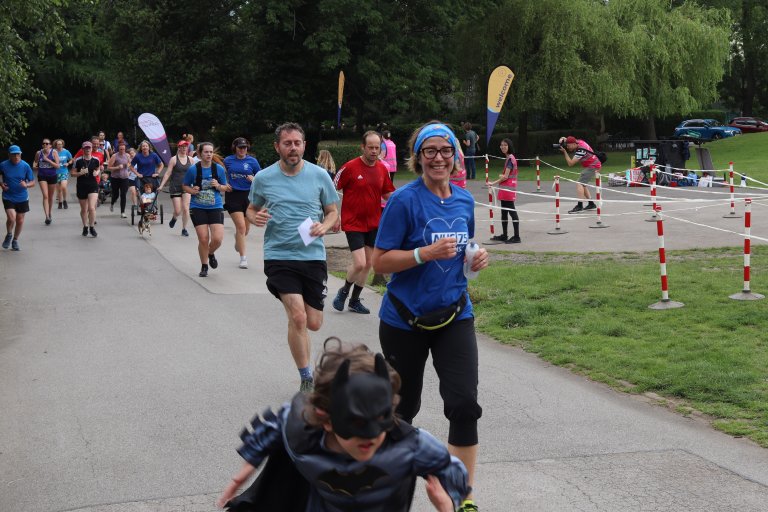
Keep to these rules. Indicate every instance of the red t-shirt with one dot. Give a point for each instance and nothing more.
(363, 186)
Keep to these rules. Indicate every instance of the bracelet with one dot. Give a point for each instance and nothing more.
(416, 256)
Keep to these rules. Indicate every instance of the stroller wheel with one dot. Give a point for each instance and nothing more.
(161, 214)
(133, 214)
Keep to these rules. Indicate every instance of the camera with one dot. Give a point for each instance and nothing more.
(559, 145)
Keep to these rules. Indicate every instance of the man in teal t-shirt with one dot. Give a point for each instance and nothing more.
(296, 202)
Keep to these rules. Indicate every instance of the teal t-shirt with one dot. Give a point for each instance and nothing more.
(290, 200)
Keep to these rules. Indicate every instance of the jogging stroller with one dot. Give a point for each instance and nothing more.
(148, 209)
(105, 188)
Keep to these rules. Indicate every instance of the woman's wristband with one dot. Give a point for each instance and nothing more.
(417, 257)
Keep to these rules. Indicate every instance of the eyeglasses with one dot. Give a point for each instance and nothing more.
(445, 152)
(46, 143)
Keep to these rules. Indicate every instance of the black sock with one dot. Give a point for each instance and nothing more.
(581, 205)
(516, 227)
(347, 286)
(204, 267)
(356, 292)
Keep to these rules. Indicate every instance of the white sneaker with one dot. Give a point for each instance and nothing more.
(123, 215)
(243, 262)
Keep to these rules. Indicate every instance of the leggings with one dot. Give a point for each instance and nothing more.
(454, 356)
(119, 188)
(515, 219)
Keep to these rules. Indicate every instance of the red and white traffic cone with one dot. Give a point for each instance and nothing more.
(664, 303)
(557, 230)
(746, 293)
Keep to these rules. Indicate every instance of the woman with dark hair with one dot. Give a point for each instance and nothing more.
(507, 194)
(241, 168)
(46, 164)
(423, 234)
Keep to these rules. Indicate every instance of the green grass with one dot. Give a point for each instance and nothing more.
(590, 313)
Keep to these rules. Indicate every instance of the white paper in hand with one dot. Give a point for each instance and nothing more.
(304, 228)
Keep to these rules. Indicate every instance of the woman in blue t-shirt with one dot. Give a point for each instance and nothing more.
(241, 168)
(205, 181)
(148, 165)
(62, 175)
(423, 234)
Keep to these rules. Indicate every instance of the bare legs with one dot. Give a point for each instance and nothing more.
(301, 319)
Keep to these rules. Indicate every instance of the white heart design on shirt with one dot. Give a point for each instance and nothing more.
(439, 222)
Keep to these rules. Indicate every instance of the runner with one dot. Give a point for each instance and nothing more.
(205, 181)
(148, 165)
(179, 165)
(17, 177)
(119, 167)
(62, 175)
(241, 168)
(46, 164)
(87, 169)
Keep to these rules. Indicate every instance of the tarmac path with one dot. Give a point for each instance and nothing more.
(126, 379)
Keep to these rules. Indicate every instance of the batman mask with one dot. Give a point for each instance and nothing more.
(361, 403)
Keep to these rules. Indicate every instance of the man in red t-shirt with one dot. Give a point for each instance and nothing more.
(363, 182)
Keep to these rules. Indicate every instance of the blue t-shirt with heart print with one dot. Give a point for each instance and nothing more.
(415, 217)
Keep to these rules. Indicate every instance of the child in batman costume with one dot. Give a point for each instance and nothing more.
(340, 448)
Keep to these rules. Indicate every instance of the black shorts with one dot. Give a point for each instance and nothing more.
(84, 189)
(175, 190)
(306, 278)
(357, 239)
(21, 207)
(51, 180)
(236, 201)
(204, 216)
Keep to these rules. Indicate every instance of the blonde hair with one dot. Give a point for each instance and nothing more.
(325, 160)
(57, 141)
(335, 352)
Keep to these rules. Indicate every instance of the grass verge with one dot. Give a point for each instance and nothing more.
(590, 313)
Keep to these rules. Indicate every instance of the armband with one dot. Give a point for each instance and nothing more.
(417, 257)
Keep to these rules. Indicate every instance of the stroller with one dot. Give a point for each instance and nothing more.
(105, 188)
(148, 210)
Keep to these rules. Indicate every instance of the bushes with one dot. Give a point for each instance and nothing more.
(342, 153)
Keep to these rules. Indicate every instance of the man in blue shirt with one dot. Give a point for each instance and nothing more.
(296, 202)
(16, 177)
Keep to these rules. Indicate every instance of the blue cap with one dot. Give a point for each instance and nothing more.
(14, 150)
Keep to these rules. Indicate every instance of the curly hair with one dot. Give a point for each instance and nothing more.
(334, 353)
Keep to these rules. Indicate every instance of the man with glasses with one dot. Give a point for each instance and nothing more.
(17, 177)
(363, 183)
(296, 202)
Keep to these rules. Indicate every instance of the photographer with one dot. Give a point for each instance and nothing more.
(583, 154)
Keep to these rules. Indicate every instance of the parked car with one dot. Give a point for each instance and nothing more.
(704, 129)
(749, 124)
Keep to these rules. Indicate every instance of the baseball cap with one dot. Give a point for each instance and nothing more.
(240, 141)
(14, 150)
(182, 142)
(571, 140)
(87, 144)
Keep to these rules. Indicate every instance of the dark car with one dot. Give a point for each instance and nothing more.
(704, 129)
(749, 124)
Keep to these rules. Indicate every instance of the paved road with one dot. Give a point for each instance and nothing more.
(126, 379)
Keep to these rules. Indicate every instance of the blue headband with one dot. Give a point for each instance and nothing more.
(436, 130)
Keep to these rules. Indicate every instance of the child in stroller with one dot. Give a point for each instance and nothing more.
(147, 207)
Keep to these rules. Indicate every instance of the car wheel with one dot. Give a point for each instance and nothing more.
(717, 136)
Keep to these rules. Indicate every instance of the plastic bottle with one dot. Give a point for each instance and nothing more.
(470, 252)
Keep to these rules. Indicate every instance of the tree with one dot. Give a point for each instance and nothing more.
(23, 38)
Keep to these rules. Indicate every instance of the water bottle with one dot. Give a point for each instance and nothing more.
(743, 180)
(470, 252)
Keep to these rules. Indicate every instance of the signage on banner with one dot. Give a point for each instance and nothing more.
(498, 86)
(153, 129)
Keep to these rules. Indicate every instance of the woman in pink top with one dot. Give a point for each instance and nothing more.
(459, 174)
(507, 194)
(389, 154)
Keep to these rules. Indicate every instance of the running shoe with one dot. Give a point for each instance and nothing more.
(357, 306)
(203, 271)
(60, 206)
(307, 386)
(66, 206)
(576, 209)
(212, 261)
(48, 221)
(514, 240)
(468, 506)
(111, 207)
(85, 231)
(590, 206)
(15, 246)
(499, 238)
(341, 298)
(123, 215)
(243, 262)
(184, 232)
(7, 240)
(172, 222)
(93, 232)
